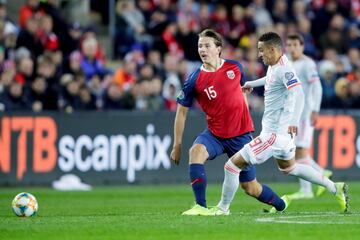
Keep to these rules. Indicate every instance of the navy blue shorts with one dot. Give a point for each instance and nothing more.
(217, 146)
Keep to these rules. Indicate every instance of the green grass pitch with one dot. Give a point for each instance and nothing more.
(153, 212)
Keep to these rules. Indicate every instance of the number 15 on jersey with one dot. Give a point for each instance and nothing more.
(210, 92)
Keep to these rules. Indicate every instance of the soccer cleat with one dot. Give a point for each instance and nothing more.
(342, 196)
(287, 201)
(216, 211)
(197, 210)
(320, 190)
(300, 195)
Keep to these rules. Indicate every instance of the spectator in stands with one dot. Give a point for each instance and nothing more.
(124, 38)
(298, 10)
(240, 25)
(9, 26)
(25, 71)
(28, 37)
(155, 101)
(46, 69)
(90, 33)
(87, 100)
(89, 64)
(115, 98)
(135, 22)
(70, 40)
(330, 26)
(70, 96)
(31, 9)
(125, 76)
(279, 11)
(342, 98)
(304, 28)
(154, 58)
(170, 42)
(220, 20)
(52, 8)
(46, 35)
(73, 66)
(327, 72)
(322, 17)
(353, 37)
(204, 16)
(171, 89)
(187, 39)
(7, 75)
(97, 88)
(260, 14)
(12, 99)
(146, 7)
(36, 94)
(147, 94)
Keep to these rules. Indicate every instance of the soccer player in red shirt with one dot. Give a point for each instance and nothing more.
(216, 85)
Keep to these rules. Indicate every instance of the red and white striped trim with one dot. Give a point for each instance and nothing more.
(294, 85)
(266, 145)
(230, 169)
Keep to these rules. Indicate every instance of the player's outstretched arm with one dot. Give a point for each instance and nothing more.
(249, 85)
(179, 125)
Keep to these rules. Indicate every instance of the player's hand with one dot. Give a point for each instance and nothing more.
(293, 131)
(247, 88)
(175, 154)
(314, 118)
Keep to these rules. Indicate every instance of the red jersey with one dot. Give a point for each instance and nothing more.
(220, 96)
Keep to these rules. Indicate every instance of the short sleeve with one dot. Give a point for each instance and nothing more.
(289, 78)
(187, 93)
(241, 69)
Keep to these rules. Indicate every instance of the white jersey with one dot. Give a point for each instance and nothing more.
(306, 70)
(280, 112)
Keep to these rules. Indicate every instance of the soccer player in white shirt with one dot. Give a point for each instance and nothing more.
(284, 100)
(306, 70)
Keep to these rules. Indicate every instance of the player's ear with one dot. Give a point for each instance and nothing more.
(219, 49)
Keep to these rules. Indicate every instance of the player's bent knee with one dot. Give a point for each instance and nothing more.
(198, 153)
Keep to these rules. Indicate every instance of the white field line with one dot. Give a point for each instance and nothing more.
(300, 219)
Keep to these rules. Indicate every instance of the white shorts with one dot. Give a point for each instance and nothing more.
(305, 134)
(267, 145)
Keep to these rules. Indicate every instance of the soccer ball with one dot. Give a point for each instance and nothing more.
(24, 205)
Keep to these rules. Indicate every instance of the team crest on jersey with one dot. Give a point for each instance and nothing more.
(181, 95)
(230, 74)
(289, 75)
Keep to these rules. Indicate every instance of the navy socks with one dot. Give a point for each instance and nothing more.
(198, 183)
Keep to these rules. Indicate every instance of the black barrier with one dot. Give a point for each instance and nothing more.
(134, 147)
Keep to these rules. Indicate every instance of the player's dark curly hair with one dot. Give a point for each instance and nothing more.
(212, 34)
(271, 38)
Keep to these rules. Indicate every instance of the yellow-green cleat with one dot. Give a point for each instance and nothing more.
(197, 210)
(342, 196)
(287, 201)
(216, 211)
(320, 190)
(300, 195)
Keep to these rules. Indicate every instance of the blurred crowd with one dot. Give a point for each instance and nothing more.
(47, 63)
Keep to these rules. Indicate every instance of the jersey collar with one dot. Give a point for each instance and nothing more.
(205, 70)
